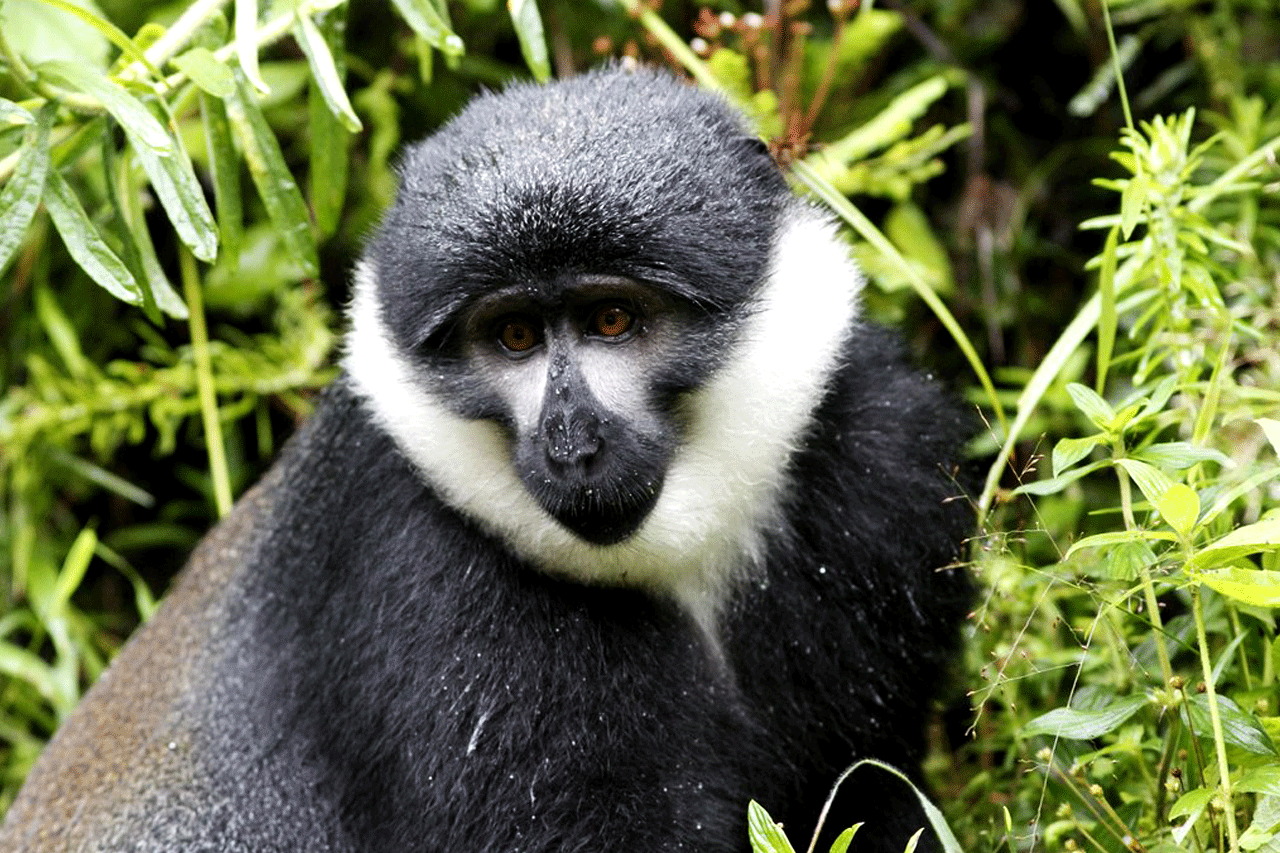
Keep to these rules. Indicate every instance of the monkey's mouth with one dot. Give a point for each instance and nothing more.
(606, 516)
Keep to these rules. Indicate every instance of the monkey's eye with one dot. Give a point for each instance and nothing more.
(611, 321)
(518, 335)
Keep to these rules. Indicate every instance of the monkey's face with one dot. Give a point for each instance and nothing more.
(585, 377)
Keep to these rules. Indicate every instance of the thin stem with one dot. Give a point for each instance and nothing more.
(1219, 742)
(204, 383)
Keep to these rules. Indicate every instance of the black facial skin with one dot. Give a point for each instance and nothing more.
(593, 459)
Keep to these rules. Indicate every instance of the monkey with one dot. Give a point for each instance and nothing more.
(618, 516)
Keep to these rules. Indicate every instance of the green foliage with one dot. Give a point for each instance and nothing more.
(1108, 282)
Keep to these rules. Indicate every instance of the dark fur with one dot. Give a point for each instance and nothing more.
(349, 664)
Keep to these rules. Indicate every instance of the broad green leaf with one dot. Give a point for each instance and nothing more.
(423, 19)
(1085, 725)
(84, 243)
(1255, 587)
(132, 115)
(271, 175)
(1094, 407)
(1261, 833)
(207, 71)
(224, 167)
(1180, 507)
(1069, 451)
(765, 835)
(1238, 727)
(21, 194)
(533, 41)
(1262, 535)
(1192, 801)
(1151, 480)
(1259, 780)
(324, 72)
(1180, 455)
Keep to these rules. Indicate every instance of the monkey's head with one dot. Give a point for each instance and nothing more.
(597, 303)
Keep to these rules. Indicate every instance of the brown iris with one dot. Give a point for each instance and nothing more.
(612, 321)
(518, 335)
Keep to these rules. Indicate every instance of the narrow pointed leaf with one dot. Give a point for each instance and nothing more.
(85, 245)
(324, 72)
(423, 19)
(21, 195)
(533, 40)
(246, 41)
(131, 113)
(329, 141)
(224, 167)
(279, 192)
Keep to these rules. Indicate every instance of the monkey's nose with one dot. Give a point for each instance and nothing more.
(572, 438)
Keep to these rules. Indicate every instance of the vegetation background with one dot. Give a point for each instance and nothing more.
(1072, 209)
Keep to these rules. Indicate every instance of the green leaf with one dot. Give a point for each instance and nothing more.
(1192, 801)
(224, 167)
(246, 42)
(270, 173)
(174, 180)
(423, 19)
(892, 124)
(1180, 507)
(1132, 203)
(21, 195)
(1255, 587)
(84, 244)
(133, 116)
(24, 666)
(74, 566)
(329, 143)
(1094, 407)
(206, 71)
(1238, 727)
(844, 839)
(533, 41)
(1118, 537)
(43, 31)
(61, 333)
(325, 73)
(1085, 725)
(1262, 535)
(1180, 455)
(765, 835)
(1057, 484)
(1152, 481)
(1107, 309)
(1069, 451)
